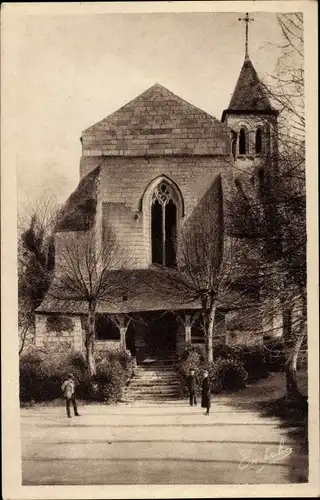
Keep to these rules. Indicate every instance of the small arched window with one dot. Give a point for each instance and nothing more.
(259, 142)
(243, 141)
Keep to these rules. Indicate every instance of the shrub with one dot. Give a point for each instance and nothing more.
(191, 358)
(114, 368)
(223, 350)
(227, 375)
(42, 373)
(253, 358)
(188, 350)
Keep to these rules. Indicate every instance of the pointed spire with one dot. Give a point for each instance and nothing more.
(247, 20)
(249, 94)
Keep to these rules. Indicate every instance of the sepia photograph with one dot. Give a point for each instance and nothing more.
(161, 301)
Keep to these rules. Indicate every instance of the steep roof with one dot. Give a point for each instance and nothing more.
(79, 211)
(249, 94)
(157, 122)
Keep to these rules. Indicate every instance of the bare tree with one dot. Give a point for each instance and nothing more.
(208, 270)
(88, 273)
(36, 224)
(274, 211)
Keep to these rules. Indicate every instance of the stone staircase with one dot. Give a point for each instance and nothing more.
(155, 380)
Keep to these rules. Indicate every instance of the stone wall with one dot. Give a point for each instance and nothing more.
(238, 337)
(123, 191)
(53, 329)
(106, 345)
(244, 327)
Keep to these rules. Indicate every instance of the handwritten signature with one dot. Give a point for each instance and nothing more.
(269, 457)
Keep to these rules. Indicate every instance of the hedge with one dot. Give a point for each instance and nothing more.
(42, 373)
(249, 364)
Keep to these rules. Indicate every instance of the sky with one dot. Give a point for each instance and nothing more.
(67, 72)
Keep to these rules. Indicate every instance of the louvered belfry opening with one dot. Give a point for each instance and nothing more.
(164, 225)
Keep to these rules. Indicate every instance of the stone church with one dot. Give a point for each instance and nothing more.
(144, 170)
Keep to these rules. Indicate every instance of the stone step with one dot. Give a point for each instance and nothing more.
(156, 373)
(144, 391)
(163, 366)
(155, 399)
(138, 385)
(155, 378)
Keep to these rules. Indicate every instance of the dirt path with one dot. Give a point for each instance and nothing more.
(157, 444)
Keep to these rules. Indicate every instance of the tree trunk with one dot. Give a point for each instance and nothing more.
(210, 316)
(90, 335)
(292, 362)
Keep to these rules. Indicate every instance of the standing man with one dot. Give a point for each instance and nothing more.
(68, 389)
(206, 392)
(192, 388)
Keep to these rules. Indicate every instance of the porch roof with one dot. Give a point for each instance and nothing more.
(141, 290)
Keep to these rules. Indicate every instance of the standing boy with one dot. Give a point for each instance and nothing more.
(68, 389)
(192, 388)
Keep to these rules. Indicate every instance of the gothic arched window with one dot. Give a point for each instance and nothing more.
(164, 225)
(243, 141)
(259, 141)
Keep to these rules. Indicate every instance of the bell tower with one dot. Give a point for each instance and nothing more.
(252, 119)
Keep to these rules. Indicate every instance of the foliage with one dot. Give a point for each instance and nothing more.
(43, 371)
(58, 324)
(227, 375)
(223, 350)
(254, 361)
(188, 350)
(190, 359)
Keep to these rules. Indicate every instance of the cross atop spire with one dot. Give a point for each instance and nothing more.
(247, 20)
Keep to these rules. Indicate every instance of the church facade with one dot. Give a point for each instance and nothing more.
(144, 171)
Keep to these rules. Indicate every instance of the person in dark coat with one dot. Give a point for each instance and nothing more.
(192, 388)
(68, 389)
(206, 392)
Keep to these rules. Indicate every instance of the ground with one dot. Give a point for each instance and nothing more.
(170, 443)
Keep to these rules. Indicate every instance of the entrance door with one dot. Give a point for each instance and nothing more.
(161, 335)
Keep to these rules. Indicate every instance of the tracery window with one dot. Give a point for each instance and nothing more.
(164, 225)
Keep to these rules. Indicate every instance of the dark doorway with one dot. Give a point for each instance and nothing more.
(161, 334)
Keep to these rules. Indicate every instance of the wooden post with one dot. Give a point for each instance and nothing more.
(120, 321)
(123, 332)
(187, 327)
